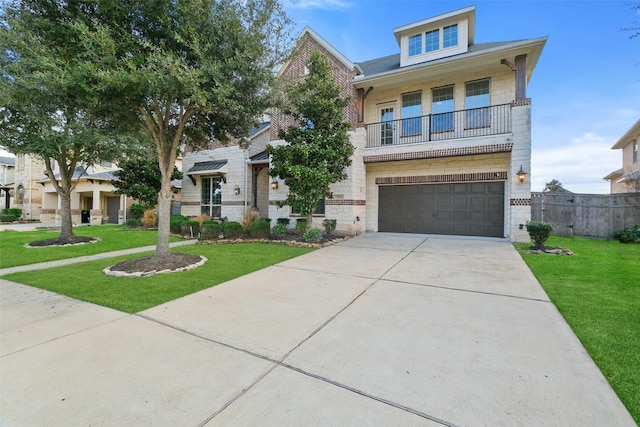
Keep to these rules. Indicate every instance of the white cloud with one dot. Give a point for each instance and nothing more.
(321, 4)
(579, 164)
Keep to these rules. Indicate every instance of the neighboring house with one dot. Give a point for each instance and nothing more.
(27, 190)
(442, 137)
(627, 178)
(7, 177)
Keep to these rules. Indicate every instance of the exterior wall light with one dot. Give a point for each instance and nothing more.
(521, 174)
(236, 190)
(274, 184)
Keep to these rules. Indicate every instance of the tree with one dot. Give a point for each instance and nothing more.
(554, 186)
(46, 109)
(186, 72)
(139, 176)
(318, 149)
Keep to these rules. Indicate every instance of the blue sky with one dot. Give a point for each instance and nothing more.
(585, 90)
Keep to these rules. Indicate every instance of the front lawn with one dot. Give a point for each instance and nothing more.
(597, 290)
(85, 281)
(113, 237)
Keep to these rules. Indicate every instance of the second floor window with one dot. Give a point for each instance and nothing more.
(477, 104)
(442, 109)
(411, 107)
(634, 148)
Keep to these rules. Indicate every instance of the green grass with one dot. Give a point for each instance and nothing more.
(598, 292)
(86, 282)
(113, 238)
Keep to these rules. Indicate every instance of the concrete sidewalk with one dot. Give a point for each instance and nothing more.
(381, 329)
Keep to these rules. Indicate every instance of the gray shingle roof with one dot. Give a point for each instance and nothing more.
(392, 62)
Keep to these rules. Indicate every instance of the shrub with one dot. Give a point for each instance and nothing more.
(279, 230)
(133, 222)
(312, 235)
(210, 230)
(138, 210)
(202, 218)
(149, 218)
(17, 212)
(190, 228)
(301, 225)
(7, 217)
(232, 229)
(250, 216)
(175, 223)
(539, 231)
(329, 225)
(283, 221)
(629, 235)
(259, 229)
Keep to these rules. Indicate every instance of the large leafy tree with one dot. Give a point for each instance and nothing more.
(139, 176)
(47, 108)
(186, 72)
(318, 149)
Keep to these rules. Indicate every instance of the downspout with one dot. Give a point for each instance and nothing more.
(246, 180)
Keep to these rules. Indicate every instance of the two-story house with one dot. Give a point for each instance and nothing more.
(441, 130)
(7, 178)
(627, 178)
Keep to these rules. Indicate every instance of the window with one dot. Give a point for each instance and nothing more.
(211, 200)
(634, 149)
(415, 45)
(105, 164)
(432, 40)
(319, 209)
(442, 109)
(411, 107)
(477, 104)
(450, 36)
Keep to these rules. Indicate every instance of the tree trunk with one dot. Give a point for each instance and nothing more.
(66, 224)
(309, 220)
(164, 215)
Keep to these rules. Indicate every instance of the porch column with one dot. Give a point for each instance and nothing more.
(96, 208)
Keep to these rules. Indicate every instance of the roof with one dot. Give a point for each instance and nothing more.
(262, 126)
(7, 160)
(391, 63)
(212, 166)
(261, 157)
(628, 136)
(613, 175)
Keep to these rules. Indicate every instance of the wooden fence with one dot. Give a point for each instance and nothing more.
(586, 215)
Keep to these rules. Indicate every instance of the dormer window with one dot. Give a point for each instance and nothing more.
(433, 40)
(415, 45)
(450, 36)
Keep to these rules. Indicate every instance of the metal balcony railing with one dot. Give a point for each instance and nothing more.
(471, 123)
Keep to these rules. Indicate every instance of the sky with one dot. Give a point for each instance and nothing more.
(585, 90)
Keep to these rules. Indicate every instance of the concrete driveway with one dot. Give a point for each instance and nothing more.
(380, 330)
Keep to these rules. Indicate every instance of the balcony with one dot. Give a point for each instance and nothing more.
(486, 121)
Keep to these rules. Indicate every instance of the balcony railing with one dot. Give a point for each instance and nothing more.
(471, 123)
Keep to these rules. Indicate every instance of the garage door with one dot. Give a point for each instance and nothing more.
(467, 209)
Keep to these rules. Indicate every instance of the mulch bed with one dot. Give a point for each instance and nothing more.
(155, 264)
(73, 240)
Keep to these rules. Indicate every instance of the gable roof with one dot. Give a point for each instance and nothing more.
(628, 136)
(308, 32)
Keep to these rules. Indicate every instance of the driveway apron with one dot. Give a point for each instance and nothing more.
(382, 329)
